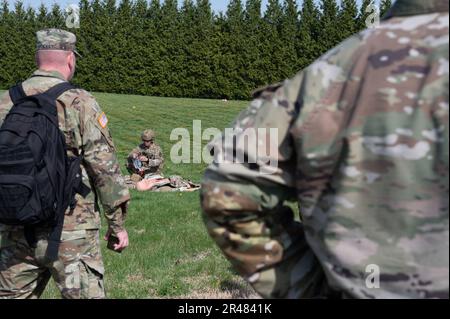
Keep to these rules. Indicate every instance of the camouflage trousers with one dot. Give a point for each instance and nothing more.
(24, 271)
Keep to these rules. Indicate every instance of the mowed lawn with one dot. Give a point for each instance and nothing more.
(170, 253)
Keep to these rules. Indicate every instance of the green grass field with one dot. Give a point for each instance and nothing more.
(170, 253)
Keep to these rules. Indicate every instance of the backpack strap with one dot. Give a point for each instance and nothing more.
(30, 235)
(47, 99)
(17, 93)
(74, 185)
(54, 92)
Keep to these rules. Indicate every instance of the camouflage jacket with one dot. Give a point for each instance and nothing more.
(362, 145)
(153, 153)
(84, 126)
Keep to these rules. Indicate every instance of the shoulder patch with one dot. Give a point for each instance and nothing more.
(102, 120)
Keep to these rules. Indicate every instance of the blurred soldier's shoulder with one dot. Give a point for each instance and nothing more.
(266, 91)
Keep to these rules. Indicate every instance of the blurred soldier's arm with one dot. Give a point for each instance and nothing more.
(99, 155)
(340, 122)
(245, 212)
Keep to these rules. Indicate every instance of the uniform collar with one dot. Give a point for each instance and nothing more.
(52, 74)
(416, 7)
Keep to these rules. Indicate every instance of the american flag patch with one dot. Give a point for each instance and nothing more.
(102, 120)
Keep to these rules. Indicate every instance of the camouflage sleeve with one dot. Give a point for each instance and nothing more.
(244, 205)
(101, 162)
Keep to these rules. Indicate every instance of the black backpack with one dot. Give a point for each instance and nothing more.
(38, 181)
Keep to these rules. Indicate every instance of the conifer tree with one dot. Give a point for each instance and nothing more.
(204, 46)
(154, 49)
(363, 14)
(289, 36)
(56, 17)
(185, 77)
(347, 19)
(253, 72)
(123, 48)
(171, 51)
(221, 58)
(140, 45)
(272, 54)
(5, 72)
(233, 44)
(42, 17)
(20, 60)
(95, 43)
(308, 46)
(84, 35)
(329, 33)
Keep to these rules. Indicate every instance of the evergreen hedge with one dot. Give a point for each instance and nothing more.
(152, 48)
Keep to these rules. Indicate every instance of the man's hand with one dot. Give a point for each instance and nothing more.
(123, 239)
(143, 158)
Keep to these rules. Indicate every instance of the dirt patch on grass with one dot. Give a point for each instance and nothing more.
(229, 289)
(140, 231)
(135, 278)
(217, 294)
(194, 258)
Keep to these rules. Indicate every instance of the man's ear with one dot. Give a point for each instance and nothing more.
(71, 62)
(71, 59)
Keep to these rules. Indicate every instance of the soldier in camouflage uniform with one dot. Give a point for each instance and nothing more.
(78, 272)
(148, 155)
(363, 146)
